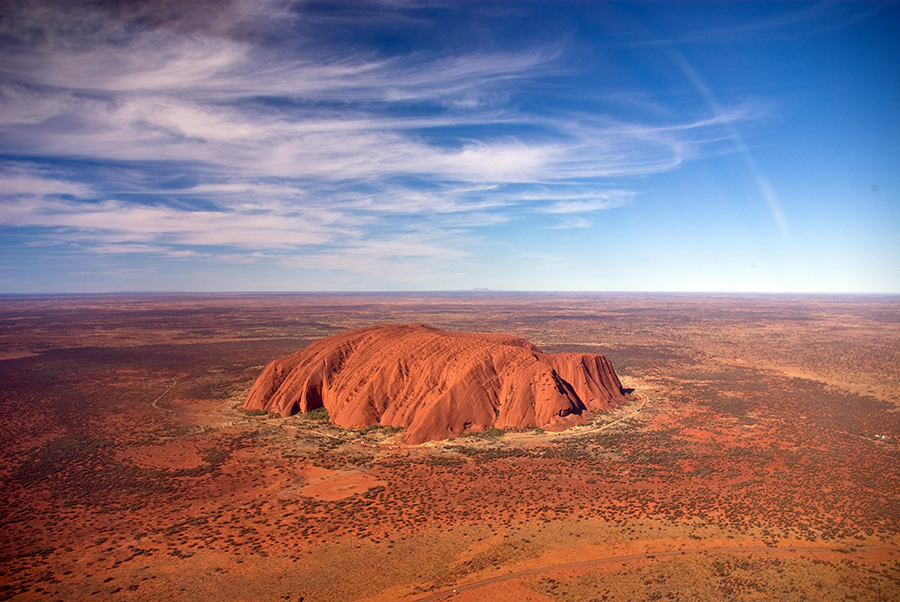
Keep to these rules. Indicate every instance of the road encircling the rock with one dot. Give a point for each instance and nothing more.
(646, 555)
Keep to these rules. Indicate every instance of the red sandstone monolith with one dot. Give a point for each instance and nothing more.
(436, 384)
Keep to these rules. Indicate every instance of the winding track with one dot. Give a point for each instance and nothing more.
(154, 404)
(650, 555)
(634, 413)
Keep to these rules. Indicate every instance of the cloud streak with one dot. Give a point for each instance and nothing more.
(762, 184)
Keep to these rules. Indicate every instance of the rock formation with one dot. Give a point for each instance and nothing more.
(437, 384)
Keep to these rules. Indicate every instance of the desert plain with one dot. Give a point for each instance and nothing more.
(756, 457)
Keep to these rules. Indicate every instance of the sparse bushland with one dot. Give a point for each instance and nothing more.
(491, 433)
(724, 449)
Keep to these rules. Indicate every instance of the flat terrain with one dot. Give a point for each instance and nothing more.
(758, 457)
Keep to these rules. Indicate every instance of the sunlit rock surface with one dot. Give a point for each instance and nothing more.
(436, 384)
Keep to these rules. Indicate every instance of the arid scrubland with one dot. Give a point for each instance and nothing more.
(757, 456)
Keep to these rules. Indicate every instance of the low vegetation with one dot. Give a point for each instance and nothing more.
(107, 495)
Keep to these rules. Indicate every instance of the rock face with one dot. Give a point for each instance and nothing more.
(436, 384)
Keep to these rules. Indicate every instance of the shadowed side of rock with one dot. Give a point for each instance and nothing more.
(436, 384)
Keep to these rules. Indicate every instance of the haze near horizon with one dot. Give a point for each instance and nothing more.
(543, 146)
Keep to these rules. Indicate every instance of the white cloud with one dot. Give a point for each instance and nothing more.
(119, 222)
(406, 259)
(588, 202)
(163, 94)
(324, 147)
(572, 222)
(15, 182)
(369, 160)
(117, 249)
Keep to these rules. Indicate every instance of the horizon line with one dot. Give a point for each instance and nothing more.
(474, 291)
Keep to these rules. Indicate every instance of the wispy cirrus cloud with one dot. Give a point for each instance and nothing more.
(247, 138)
(111, 221)
(590, 202)
(19, 181)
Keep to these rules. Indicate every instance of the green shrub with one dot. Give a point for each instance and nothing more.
(317, 414)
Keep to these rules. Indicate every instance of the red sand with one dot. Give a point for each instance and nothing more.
(330, 485)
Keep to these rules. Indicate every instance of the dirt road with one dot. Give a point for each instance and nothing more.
(647, 555)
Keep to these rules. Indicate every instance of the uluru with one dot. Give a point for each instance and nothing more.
(436, 384)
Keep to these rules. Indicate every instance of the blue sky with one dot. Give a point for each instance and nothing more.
(282, 146)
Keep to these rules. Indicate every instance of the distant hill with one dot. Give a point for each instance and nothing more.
(437, 384)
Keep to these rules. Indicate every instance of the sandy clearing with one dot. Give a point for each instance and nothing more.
(329, 485)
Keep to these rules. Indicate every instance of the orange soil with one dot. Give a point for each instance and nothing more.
(329, 485)
(107, 496)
